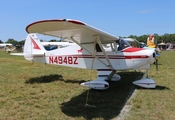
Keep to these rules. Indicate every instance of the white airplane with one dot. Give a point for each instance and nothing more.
(5, 44)
(88, 53)
(56, 45)
(62, 44)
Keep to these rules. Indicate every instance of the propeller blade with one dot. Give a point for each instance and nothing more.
(156, 60)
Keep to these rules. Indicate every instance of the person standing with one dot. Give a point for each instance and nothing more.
(150, 41)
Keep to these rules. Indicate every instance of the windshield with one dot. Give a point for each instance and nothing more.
(135, 43)
(123, 44)
(142, 45)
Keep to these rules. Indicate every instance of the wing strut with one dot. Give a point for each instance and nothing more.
(95, 52)
(89, 52)
(106, 56)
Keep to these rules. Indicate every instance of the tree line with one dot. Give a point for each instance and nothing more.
(166, 38)
(143, 38)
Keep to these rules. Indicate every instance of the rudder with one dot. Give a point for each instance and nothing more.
(33, 47)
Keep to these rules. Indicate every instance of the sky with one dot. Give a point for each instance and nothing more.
(117, 17)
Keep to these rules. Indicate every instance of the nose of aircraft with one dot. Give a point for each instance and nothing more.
(152, 56)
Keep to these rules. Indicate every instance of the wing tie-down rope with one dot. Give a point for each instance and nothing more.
(95, 51)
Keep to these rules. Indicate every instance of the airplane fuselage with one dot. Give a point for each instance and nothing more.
(74, 56)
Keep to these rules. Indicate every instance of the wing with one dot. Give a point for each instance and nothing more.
(67, 28)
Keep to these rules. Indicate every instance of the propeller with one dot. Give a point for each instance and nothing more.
(157, 54)
(156, 62)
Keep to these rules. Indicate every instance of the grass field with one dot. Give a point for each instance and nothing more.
(39, 91)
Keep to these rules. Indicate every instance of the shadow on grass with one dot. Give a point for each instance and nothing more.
(51, 78)
(44, 79)
(109, 103)
(159, 87)
(158, 64)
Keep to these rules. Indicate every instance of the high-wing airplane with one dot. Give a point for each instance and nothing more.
(55, 45)
(8, 47)
(5, 44)
(88, 52)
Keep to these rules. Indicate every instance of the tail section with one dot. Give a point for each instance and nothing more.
(33, 47)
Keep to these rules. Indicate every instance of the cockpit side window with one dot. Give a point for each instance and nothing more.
(98, 48)
(51, 47)
(122, 44)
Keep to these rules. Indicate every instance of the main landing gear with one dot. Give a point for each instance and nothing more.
(145, 82)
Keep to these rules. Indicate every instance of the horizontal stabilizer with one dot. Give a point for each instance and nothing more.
(38, 54)
(17, 54)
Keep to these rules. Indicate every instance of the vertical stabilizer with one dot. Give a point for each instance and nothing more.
(33, 47)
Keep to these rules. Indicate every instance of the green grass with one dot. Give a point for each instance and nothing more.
(39, 91)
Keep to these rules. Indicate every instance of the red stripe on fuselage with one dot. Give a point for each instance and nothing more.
(114, 56)
(135, 57)
(109, 56)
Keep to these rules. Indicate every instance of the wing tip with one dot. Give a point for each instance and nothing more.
(55, 20)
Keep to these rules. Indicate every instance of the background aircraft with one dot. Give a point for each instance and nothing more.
(5, 44)
(56, 45)
(8, 47)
